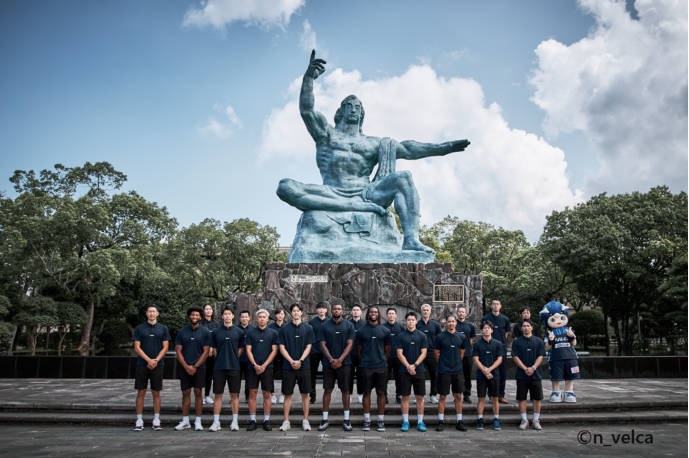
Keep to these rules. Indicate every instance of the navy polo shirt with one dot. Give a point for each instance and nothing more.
(192, 342)
(227, 341)
(295, 339)
(209, 324)
(316, 323)
(431, 329)
(245, 330)
(261, 341)
(372, 340)
(395, 330)
(357, 325)
(275, 327)
(151, 338)
(527, 349)
(501, 325)
(450, 344)
(467, 329)
(335, 336)
(411, 344)
(488, 353)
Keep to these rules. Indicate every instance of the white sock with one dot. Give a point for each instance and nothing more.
(266, 417)
(367, 417)
(185, 419)
(139, 417)
(459, 417)
(216, 418)
(441, 417)
(346, 414)
(156, 416)
(235, 417)
(536, 416)
(419, 417)
(405, 417)
(523, 416)
(197, 420)
(325, 416)
(381, 417)
(497, 417)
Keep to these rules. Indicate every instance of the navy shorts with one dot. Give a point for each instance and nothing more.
(186, 381)
(266, 379)
(222, 376)
(564, 369)
(533, 388)
(290, 378)
(371, 378)
(484, 385)
(343, 375)
(447, 381)
(143, 374)
(417, 381)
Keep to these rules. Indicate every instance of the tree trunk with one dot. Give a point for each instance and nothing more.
(607, 333)
(85, 342)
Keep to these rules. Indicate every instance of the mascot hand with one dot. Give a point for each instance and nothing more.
(570, 333)
(551, 335)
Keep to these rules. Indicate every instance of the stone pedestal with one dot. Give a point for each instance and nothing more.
(406, 286)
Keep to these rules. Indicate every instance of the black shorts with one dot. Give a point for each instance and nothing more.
(143, 374)
(484, 385)
(406, 382)
(533, 387)
(564, 369)
(232, 378)
(290, 378)
(373, 379)
(266, 379)
(343, 375)
(447, 381)
(186, 381)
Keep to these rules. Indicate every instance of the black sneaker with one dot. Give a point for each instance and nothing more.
(252, 425)
(346, 425)
(266, 426)
(479, 424)
(324, 425)
(441, 426)
(366, 426)
(381, 426)
(460, 426)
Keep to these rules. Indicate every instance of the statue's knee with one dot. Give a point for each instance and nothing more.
(285, 188)
(405, 177)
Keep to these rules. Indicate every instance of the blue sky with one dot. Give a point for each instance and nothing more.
(197, 102)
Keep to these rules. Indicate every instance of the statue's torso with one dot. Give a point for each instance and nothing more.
(346, 161)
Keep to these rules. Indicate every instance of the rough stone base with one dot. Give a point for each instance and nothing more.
(407, 286)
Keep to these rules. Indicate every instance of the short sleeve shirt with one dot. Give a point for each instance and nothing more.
(501, 325)
(431, 329)
(467, 329)
(245, 330)
(295, 339)
(395, 330)
(450, 346)
(527, 349)
(335, 336)
(411, 344)
(261, 342)
(227, 341)
(372, 340)
(192, 342)
(151, 338)
(488, 353)
(316, 323)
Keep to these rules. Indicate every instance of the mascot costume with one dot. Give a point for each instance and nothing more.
(560, 341)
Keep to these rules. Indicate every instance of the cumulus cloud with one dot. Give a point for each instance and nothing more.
(308, 38)
(507, 177)
(219, 13)
(625, 87)
(225, 127)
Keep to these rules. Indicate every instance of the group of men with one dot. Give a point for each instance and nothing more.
(369, 350)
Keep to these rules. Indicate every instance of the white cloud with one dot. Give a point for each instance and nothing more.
(308, 38)
(225, 127)
(506, 177)
(625, 87)
(219, 13)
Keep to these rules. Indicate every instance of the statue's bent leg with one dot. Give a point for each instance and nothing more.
(321, 197)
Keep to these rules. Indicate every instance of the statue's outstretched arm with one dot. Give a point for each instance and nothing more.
(411, 149)
(316, 123)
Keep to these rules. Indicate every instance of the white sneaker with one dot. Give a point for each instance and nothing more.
(570, 397)
(156, 425)
(524, 424)
(198, 426)
(274, 399)
(234, 426)
(208, 400)
(285, 426)
(305, 425)
(434, 399)
(281, 399)
(139, 426)
(556, 396)
(215, 426)
(182, 425)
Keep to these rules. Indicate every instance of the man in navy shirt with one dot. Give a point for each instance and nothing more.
(467, 329)
(191, 347)
(431, 328)
(357, 323)
(151, 342)
(373, 346)
(450, 347)
(295, 340)
(245, 325)
(525, 314)
(337, 341)
(501, 329)
(488, 355)
(393, 363)
(278, 322)
(528, 352)
(316, 357)
(411, 348)
(261, 348)
(228, 341)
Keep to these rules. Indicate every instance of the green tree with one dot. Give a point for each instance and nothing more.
(37, 312)
(620, 249)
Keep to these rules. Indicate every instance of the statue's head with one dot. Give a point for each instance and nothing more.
(349, 100)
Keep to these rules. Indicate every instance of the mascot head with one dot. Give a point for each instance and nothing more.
(554, 316)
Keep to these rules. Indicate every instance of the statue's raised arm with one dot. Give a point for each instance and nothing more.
(316, 123)
(411, 149)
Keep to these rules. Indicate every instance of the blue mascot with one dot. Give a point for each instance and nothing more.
(560, 341)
